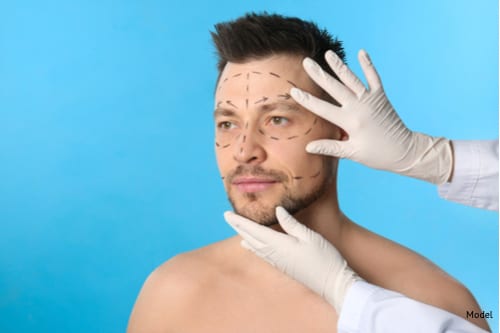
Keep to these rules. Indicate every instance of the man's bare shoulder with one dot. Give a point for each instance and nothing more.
(170, 290)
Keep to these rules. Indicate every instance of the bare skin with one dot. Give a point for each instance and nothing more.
(225, 288)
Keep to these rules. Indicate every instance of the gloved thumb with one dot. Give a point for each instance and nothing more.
(334, 148)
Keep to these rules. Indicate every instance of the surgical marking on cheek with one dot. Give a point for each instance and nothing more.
(308, 131)
(316, 174)
(274, 138)
(274, 74)
(292, 137)
(261, 131)
(244, 138)
(293, 84)
(221, 147)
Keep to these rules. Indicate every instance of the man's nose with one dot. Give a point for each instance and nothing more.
(248, 148)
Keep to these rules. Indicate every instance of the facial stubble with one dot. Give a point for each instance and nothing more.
(292, 202)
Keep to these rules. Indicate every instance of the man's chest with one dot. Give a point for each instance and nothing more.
(253, 306)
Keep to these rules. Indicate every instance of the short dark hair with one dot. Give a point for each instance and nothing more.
(256, 36)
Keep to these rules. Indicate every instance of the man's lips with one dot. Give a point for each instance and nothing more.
(253, 184)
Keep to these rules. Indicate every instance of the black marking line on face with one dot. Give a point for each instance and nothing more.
(261, 132)
(308, 131)
(285, 96)
(274, 74)
(293, 84)
(262, 100)
(225, 79)
(315, 121)
(236, 75)
(246, 103)
(316, 174)
(231, 103)
(225, 146)
(292, 137)
(244, 138)
(298, 177)
(255, 72)
(217, 144)
(241, 150)
(274, 138)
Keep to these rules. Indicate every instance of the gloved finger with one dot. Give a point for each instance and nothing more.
(331, 85)
(325, 110)
(257, 235)
(344, 73)
(291, 225)
(233, 220)
(334, 148)
(369, 70)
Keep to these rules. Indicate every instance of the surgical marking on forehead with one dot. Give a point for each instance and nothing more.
(285, 96)
(236, 75)
(263, 99)
(232, 104)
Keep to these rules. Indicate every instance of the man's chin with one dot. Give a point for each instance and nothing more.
(265, 217)
(257, 212)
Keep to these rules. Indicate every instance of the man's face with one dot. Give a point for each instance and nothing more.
(260, 138)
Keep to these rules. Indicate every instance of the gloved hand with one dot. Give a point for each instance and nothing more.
(302, 254)
(377, 136)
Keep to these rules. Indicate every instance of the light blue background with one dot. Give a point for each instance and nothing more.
(106, 153)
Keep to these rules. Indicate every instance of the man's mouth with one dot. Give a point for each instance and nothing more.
(253, 184)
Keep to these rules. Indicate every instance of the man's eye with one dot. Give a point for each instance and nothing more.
(279, 121)
(225, 125)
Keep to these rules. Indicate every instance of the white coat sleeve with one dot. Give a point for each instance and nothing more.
(475, 175)
(371, 309)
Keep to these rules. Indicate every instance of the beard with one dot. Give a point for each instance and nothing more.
(292, 202)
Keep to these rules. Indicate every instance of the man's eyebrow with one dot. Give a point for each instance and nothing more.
(282, 105)
(221, 112)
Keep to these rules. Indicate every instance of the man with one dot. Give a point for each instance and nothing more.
(260, 139)
(307, 257)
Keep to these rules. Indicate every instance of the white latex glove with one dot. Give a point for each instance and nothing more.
(377, 136)
(302, 254)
